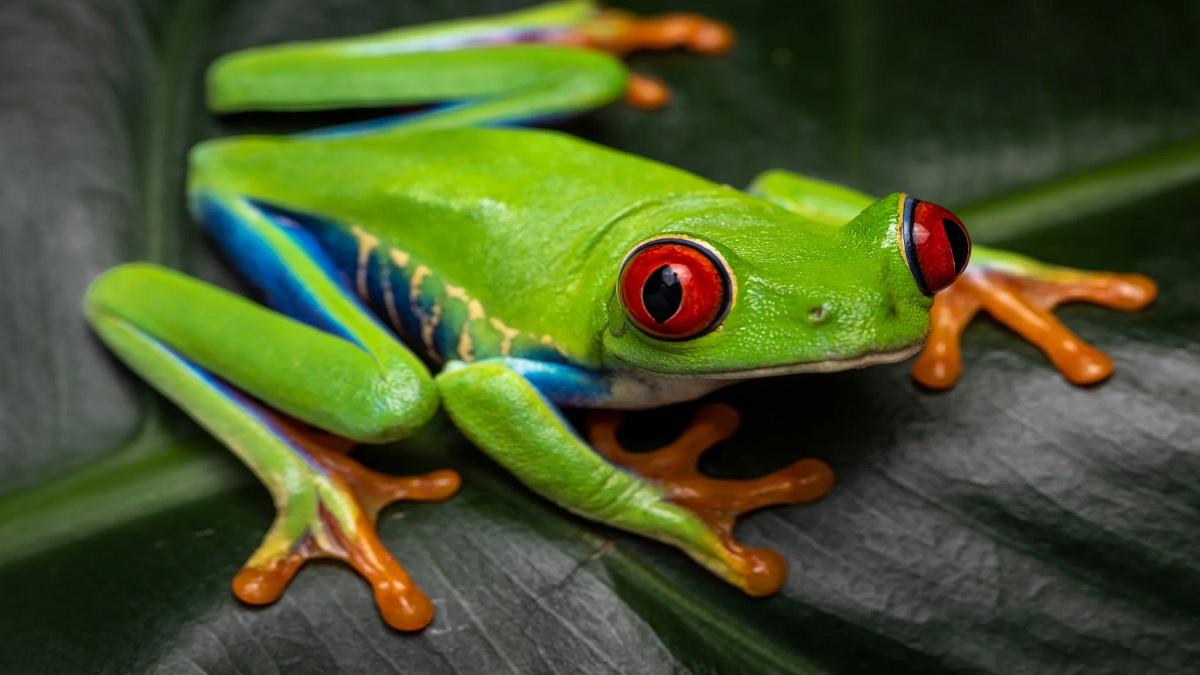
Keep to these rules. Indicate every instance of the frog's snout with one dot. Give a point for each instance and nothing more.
(935, 243)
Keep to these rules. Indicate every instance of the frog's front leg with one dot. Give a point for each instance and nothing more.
(718, 502)
(257, 379)
(1015, 290)
(1020, 293)
(505, 407)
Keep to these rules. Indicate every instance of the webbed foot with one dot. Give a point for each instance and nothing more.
(717, 502)
(330, 513)
(1020, 293)
(619, 32)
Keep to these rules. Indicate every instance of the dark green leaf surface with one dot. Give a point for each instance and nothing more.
(1014, 524)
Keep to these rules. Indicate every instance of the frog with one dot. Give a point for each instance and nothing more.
(456, 255)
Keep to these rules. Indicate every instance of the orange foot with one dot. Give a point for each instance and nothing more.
(1020, 293)
(620, 33)
(718, 503)
(330, 513)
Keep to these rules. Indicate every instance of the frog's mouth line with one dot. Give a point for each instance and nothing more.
(828, 366)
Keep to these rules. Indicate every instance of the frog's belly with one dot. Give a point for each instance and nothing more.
(635, 391)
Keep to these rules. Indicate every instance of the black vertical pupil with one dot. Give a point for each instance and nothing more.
(959, 245)
(662, 294)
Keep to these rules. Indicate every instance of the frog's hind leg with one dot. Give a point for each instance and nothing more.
(324, 523)
(1020, 293)
(486, 85)
(326, 503)
(255, 378)
(522, 68)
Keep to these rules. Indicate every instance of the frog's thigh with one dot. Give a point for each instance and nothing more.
(502, 411)
(811, 197)
(310, 374)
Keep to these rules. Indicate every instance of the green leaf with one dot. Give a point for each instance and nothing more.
(1013, 524)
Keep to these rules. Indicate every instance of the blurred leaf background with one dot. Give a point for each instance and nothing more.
(1014, 524)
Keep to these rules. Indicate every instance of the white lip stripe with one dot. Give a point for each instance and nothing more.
(830, 366)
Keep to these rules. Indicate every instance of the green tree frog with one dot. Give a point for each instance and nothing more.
(531, 271)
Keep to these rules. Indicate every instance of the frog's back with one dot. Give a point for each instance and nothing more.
(496, 179)
(511, 219)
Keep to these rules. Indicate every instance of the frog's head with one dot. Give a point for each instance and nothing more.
(741, 289)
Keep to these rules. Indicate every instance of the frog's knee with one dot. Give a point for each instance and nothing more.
(117, 284)
(599, 78)
(411, 402)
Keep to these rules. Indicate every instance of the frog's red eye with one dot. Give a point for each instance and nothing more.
(936, 245)
(675, 289)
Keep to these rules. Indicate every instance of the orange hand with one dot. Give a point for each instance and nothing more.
(718, 503)
(1022, 299)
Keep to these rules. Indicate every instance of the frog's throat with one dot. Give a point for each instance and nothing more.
(825, 366)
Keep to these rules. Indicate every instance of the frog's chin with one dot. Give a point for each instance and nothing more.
(823, 366)
(642, 388)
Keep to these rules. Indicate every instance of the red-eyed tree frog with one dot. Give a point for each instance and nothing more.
(531, 271)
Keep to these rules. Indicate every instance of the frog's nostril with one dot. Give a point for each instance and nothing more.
(818, 314)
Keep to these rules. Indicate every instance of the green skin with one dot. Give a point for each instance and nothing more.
(529, 226)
